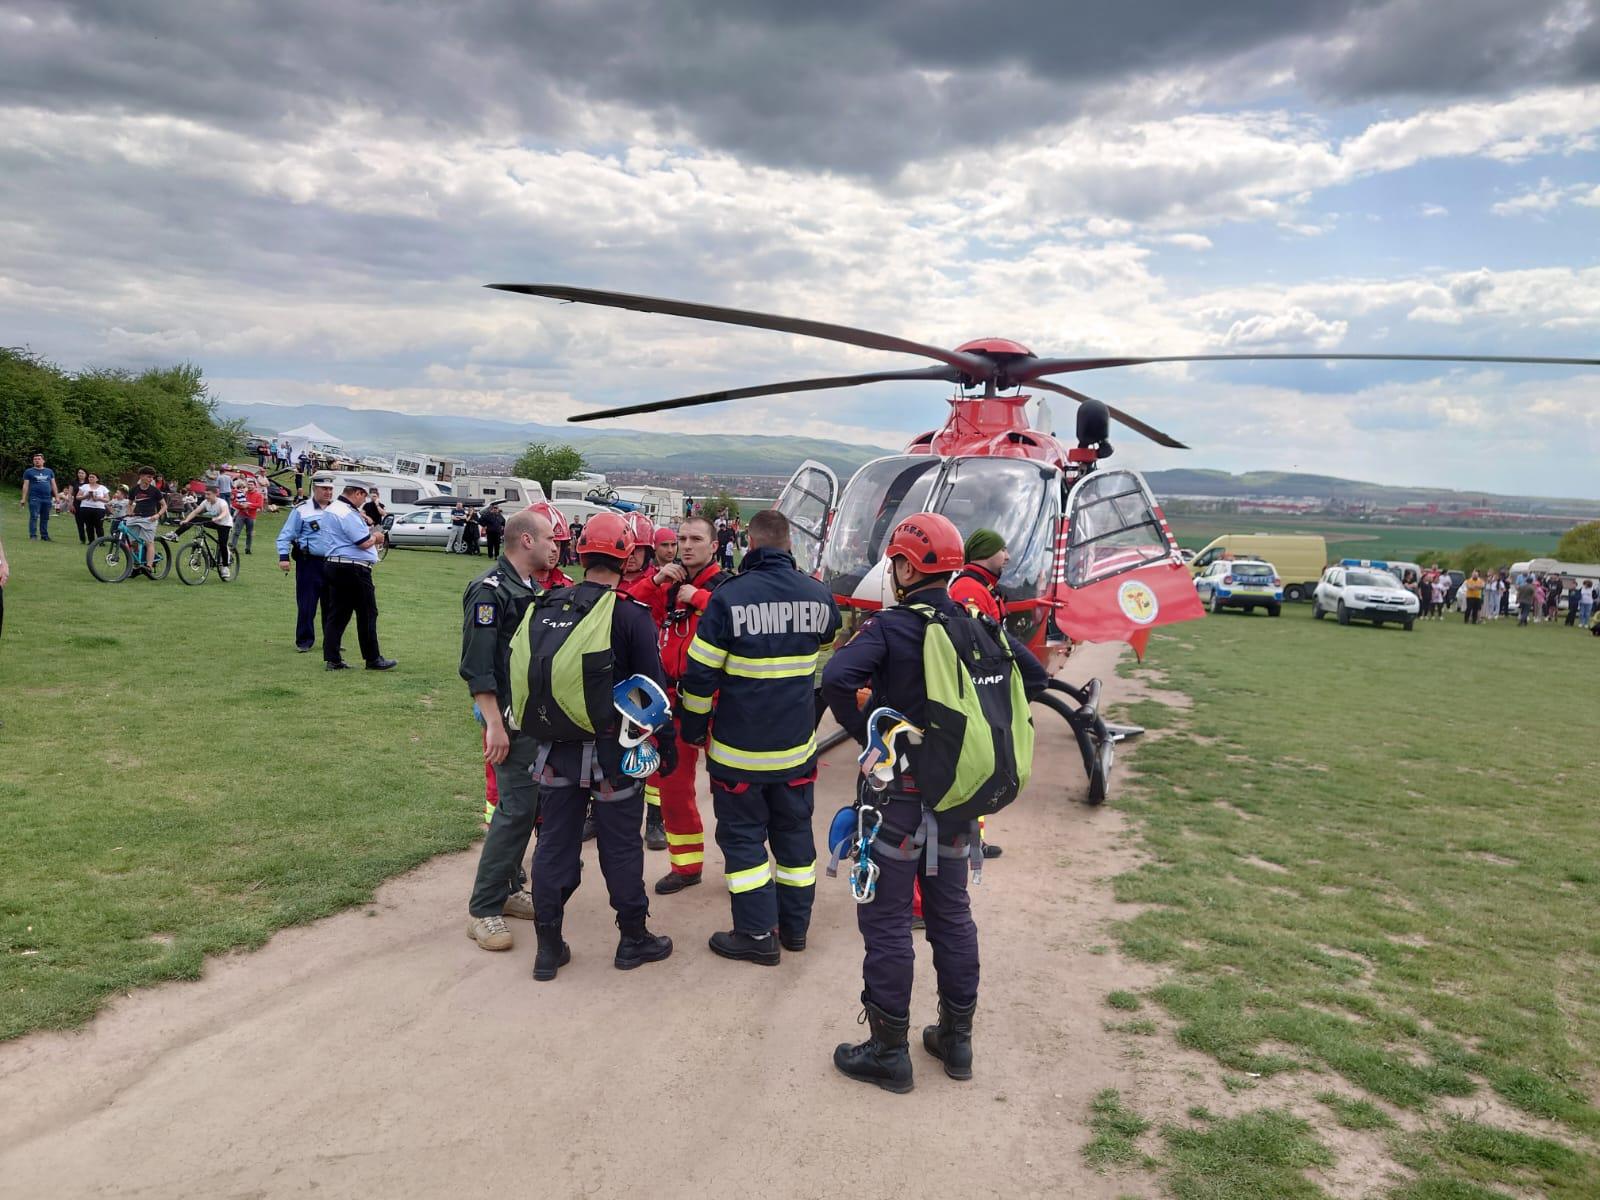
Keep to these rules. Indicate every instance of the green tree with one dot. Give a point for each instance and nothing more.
(1580, 544)
(719, 502)
(108, 421)
(545, 463)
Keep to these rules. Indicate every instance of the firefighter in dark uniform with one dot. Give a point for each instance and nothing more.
(571, 773)
(746, 695)
(886, 656)
(492, 608)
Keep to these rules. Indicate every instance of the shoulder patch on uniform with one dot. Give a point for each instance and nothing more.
(491, 580)
(483, 614)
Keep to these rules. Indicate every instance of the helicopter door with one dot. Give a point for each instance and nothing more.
(807, 500)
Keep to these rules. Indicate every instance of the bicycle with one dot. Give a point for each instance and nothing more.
(197, 558)
(112, 558)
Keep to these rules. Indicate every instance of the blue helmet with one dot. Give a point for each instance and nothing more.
(643, 706)
(842, 831)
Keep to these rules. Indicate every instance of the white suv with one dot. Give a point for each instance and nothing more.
(1362, 594)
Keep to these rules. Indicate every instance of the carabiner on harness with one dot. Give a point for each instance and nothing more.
(886, 727)
(864, 875)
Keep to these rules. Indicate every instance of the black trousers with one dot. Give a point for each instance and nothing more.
(749, 816)
(491, 539)
(558, 854)
(511, 827)
(307, 595)
(81, 516)
(91, 523)
(885, 924)
(347, 591)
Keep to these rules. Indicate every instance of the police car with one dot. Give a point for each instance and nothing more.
(1240, 583)
(1363, 594)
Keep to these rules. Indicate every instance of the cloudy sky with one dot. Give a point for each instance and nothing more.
(304, 196)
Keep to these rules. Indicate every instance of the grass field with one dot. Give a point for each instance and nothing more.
(179, 781)
(1353, 539)
(1372, 863)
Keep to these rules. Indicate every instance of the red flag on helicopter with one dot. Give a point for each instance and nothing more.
(1125, 607)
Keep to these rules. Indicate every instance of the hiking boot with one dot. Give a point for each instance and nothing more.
(991, 850)
(747, 947)
(655, 833)
(883, 1058)
(791, 941)
(675, 881)
(489, 932)
(518, 905)
(553, 952)
(950, 1041)
(638, 946)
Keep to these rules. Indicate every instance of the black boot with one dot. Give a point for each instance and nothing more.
(553, 952)
(950, 1041)
(655, 832)
(639, 946)
(883, 1058)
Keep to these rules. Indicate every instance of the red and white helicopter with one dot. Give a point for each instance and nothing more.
(1092, 557)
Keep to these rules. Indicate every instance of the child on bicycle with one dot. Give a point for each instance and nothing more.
(214, 512)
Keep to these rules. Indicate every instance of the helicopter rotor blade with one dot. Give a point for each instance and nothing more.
(948, 374)
(1117, 415)
(975, 368)
(1028, 372)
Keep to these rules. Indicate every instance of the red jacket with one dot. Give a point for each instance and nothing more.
(248, 503)
(975, 588)
(677, 624)
(558, 579)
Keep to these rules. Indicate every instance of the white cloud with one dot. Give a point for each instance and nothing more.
(1434, 210)
(1189, 241)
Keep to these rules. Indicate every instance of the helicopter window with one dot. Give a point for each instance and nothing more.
(1014, 497)
(874, 502)
(1114, 529)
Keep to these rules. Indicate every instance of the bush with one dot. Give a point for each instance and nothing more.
(108, 421)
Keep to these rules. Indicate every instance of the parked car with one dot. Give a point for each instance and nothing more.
(1299, 557)
(425, 527)
(1241, 583)
(1355, 594)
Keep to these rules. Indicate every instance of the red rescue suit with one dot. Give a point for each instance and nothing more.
(675, 793)
(977, 588)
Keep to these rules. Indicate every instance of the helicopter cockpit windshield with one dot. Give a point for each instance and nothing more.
(1014, 497)
(1114, 527)
(876, 499)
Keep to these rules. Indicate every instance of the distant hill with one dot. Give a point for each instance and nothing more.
(378, 431)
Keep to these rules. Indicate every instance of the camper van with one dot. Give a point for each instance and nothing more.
(397, 493)
(664, 506)
(579, 488)
(426, 467)
(1299, 557)
(511, 493)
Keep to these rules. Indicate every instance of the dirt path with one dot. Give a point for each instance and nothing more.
(380, 1052)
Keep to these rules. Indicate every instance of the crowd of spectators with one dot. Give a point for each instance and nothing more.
(1491, 595)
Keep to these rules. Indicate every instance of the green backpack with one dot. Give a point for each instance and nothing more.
(977, 744)
(562, 665)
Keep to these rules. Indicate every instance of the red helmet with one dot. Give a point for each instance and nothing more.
(666, 537)
(558, 522)
(644, 529)
(929, 542)
(607, 533)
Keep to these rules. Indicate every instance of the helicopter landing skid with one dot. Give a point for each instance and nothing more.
(1096, 740)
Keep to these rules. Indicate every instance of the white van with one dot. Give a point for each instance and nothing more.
(512, 494)
(397, 493)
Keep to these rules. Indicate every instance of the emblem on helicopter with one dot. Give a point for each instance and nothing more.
(1138, 602)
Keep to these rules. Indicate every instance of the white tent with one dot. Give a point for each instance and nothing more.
(305, 437)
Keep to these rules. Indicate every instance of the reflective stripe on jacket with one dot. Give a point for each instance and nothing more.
(748, 675)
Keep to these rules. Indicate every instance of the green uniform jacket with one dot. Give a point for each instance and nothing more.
(491, 609)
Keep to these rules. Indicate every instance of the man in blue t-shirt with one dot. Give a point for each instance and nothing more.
(38, 493)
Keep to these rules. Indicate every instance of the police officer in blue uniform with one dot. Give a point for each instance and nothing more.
(886, 655)
(304, 540)
(571, 774)
(492, 607)
(347, 580)
(746, 695)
